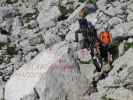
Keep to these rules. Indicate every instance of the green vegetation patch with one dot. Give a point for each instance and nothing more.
(94, 1)
(107, 98)
(7, 52)
(128, 45)
(11, 50)
(31, 16)
(82, 1)
(64, 10)
(2, 44)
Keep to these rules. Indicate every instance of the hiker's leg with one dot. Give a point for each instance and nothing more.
(99, 55)
(101, 61)
(92, 47)
(87, 44)
(76, 36)
(110, 59)
(92, 52)
(95, 60)
(98, 49)
(84, 44)
(81, 44)
(96, 64)
(104, 52)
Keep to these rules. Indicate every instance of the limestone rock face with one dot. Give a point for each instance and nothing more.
(31, 29)
(119, 80)
(32, 75)
(64, 80)
(114, 14)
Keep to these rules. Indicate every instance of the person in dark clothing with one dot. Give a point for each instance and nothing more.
(105, 51)
(89, 34)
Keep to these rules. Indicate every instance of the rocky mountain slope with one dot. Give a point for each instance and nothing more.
(33, 26)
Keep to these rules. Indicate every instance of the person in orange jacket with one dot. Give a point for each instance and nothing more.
(105, 45)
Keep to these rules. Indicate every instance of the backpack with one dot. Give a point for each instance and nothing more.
(92, 32)
(106, 38)
(88, 30)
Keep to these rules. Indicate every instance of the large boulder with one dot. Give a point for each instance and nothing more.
(130, 17)
(29, 75)
(32, 75)
(47, 16)
(119, 30)
(7, 12)
(120, 94)
(3, 38)
(64, 81)
(54, 73)
(118, 84)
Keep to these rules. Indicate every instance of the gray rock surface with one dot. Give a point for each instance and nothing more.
(113, 13)
(64, 81)
(35, 24)
(118, 84)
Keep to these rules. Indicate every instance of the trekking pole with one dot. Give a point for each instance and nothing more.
(3, 94)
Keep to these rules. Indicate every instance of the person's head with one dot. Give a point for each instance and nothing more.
(82, 13)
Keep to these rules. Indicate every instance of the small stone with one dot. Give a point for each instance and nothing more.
(36, 40)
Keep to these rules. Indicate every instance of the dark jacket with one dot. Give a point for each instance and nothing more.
(87, 29)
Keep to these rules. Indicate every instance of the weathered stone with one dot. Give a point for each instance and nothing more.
(119, 77)
(101, 3)
(122, 48)
(16, 26)
(28, 19)
(66, 81)
(36, 40)
(7, 12)
(130, 17)
(119, 30)
(3, 38)
(11, 1)
(130, 7)
(51, 39)
(115, 21)
(129, 25)
(120, 94)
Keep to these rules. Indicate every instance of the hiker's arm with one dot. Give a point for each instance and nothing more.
(98, 47)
